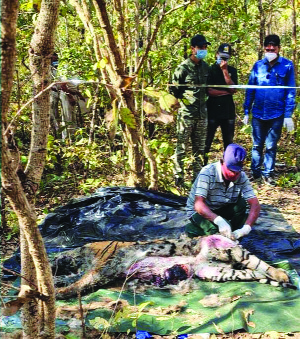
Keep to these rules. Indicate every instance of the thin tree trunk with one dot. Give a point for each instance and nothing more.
(38, 322)
(32, 247)
(9, 12)
(261, 28)
(40, 52)
(294, 38)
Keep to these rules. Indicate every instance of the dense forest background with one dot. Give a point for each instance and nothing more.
(102, 84)
(88, 150)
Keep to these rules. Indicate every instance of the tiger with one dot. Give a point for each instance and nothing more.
(163, 263)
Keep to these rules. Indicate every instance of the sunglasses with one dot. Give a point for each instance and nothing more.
(270, 50)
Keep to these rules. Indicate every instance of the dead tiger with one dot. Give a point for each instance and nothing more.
(166, 262)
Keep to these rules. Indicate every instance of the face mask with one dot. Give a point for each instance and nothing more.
(271, 56)
(201, 53)
(229, 175)
(218, 61)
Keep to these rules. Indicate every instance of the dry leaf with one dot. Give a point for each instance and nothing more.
(218, 328)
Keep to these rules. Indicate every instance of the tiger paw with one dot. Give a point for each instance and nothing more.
(278, 274)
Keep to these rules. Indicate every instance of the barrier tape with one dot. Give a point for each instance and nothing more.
(76, 82)
(230, 86)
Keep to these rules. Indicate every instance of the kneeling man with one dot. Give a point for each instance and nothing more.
(218, 199)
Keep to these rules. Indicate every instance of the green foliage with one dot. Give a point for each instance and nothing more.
(164, 151)
(89, 185)
(80, 165)
(289, 180)
(99, 323)
(12, 223)
(72, 336)
(127, 117)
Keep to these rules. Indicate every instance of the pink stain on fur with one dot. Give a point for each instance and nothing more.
(164, 270)
(218, 241)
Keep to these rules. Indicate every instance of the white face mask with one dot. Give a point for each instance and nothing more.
(270, 56)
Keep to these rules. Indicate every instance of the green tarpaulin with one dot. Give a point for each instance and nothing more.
(212, 307)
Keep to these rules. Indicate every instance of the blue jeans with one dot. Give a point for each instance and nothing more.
(265, 132)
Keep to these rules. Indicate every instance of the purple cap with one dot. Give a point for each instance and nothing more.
(234, 157)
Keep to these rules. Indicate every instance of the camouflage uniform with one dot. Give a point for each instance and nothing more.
(192, 114)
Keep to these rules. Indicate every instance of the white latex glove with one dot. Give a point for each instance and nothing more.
(242, 231)
(288, 124)
(224, 227)
(246, 119)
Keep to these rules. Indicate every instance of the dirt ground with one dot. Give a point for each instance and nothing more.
(286, 200)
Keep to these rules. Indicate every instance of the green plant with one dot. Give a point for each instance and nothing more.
(163, 151)
(289, 180)
(12, 223)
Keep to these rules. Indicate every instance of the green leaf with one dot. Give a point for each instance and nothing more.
(83, 141)
(152, 92)
(72, 336)
(174, 190)
(246, 129)
(99, 323)
(88, 93)
(23, 159)
(127, 117)
(95, 66)
(148, 107)
(103, 63)
(166, 101)
(145, 304)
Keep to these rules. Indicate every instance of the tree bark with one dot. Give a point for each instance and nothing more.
(261, 28)
(8, 49)
(294, 38)
(32, 250)
(40, 52)
(38, 320)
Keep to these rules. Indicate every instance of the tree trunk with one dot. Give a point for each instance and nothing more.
(35, 265)
(40, 52)
(294, 38)
(261, 28)
(8, 49)
(38, 320)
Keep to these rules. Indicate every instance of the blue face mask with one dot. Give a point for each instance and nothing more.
(218, 61)
(201, 53)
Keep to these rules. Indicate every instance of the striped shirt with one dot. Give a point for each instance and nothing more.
(211, 186)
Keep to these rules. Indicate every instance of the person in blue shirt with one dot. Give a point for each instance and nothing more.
(271, 108)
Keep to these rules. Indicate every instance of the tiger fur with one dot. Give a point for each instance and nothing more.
(164, 262)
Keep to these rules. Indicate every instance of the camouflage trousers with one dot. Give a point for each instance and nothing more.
(194, 131)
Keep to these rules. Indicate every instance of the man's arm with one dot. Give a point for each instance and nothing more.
(179, 77)
(202, 208)
(254, 211)
(227, 77)
(250, 92)
(215, 92)
(290, 102)
(252, 217)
